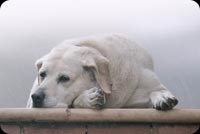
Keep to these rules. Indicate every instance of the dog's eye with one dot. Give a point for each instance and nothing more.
(63, 78)
(43, 75)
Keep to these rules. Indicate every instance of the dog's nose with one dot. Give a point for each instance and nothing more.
(38, 99)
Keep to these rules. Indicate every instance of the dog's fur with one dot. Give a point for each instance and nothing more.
(107, 71)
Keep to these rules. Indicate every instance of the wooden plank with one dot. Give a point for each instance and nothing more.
(120, 129)
(105, 115)
(99, 128)
(54, 130)
(11, 129)
(175, 129)
(45, 128)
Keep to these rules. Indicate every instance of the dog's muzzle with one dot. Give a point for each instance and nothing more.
(38, 99)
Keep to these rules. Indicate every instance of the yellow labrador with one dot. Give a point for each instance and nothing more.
(106, 71)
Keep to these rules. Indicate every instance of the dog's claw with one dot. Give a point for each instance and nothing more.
(168, 104)
(163, 100)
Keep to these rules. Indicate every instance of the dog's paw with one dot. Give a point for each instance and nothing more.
(163, 100)
(96, 98)
(93, 98)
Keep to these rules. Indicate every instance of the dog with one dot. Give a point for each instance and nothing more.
(103, 71)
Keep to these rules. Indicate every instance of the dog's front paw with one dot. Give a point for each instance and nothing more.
(93, 98)
(163, 100)
(96, 98)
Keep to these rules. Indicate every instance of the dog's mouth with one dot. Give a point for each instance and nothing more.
(49, 102)
(37, 105)
(52, 102)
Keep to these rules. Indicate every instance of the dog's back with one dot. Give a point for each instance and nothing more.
(126, 59)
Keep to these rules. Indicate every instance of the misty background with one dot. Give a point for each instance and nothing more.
(169, 29)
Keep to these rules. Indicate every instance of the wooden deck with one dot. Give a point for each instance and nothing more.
(107, 121)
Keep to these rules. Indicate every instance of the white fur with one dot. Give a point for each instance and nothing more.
(124, 71)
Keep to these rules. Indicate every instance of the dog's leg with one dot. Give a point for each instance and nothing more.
(151, 93)
(92, 98)
(160, 97)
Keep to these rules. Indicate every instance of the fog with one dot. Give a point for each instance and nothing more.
(169, 29)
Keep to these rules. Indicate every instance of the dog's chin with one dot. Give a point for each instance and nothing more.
(51, 102)
(44, 106)
(58, 105)
(55, 105)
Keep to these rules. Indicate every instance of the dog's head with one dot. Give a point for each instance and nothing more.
(64, 74)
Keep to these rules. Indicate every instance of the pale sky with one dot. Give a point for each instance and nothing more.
(169, 29)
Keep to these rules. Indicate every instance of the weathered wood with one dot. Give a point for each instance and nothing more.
(106, 115)
(103, 128)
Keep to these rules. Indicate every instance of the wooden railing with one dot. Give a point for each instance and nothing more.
(106, 121)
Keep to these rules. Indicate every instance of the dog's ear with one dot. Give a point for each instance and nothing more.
(38, 65)
(100, 67)
(39, 62)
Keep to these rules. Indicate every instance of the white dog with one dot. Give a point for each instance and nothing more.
(107, 71)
